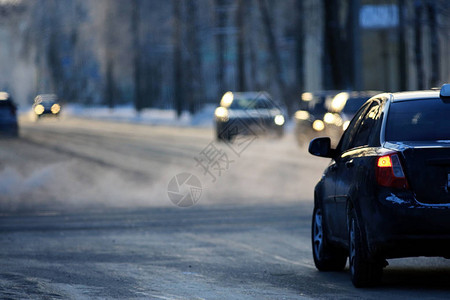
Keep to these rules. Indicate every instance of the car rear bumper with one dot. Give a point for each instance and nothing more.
(48, 113)
(399, 226)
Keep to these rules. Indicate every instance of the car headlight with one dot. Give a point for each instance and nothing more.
(55, 108)
(301, 115)
(39, 109)
(318, 125)
(328, 118)
(279, 120)
(221, 113)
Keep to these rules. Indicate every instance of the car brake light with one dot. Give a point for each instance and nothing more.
(389, 172)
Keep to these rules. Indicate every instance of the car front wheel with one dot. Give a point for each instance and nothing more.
(326, 256)
(364, 271)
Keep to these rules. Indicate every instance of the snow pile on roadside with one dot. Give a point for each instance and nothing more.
(150, 116)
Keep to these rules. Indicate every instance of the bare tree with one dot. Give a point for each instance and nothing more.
(177, 58)
(221, 15)
(241, 84)
(353, 56)
(193, 57)
(135, 31)
(273, 50)
(434, 44)
(418, 8)
(336, 62)
(110, 85)
(299, 45)
(402, 46)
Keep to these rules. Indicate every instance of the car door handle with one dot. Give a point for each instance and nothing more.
(349, 164)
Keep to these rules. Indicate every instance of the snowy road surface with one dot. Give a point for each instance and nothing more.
(85, 213)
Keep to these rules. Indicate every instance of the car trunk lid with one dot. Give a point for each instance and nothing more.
(427, 169)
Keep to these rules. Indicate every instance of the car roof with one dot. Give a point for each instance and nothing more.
(44, 97)
(414, 95)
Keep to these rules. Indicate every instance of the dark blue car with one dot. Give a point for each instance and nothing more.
(248, 113)
(386, 191)
(8, 116)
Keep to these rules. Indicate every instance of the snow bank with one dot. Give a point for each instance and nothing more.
(150, 116)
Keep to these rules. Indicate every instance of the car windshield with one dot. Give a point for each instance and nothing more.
(353, 104)
(419, 120)
(251, 103)
(47, 102)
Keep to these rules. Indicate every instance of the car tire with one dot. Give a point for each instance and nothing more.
(219, 136)
(223, 137)
(364, 270)
(326, 257)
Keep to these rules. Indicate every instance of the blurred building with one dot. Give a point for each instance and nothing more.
(404, 44)
(113, 52)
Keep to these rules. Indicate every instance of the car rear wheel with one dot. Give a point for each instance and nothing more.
(364, 271)
(326, 256)
(223, 137)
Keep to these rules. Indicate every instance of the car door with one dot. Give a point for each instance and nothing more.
(331, 178)
(351, 164)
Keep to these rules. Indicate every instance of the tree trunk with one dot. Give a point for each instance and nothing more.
(402, 52)
(434, 45)
(220, 27)
(273, 49)
(177, 59)
(335, 71)
(299, 47)
(354, 43)
(418, 45)
(109, 86)
(135, 24)
(193, 82)
(242, 86)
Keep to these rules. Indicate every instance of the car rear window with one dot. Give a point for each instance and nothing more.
(418, 120)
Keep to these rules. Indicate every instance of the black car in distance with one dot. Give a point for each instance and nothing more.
(8, 116)
(46, 105)
(248, 113)
(309, 119)
(386, 191)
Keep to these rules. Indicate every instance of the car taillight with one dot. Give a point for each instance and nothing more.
(389, 172)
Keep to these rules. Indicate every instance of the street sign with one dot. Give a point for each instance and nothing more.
(379, 16)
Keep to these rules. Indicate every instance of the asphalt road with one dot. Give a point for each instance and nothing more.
(85, 213)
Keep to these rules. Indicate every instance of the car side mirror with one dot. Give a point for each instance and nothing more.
(321, 147)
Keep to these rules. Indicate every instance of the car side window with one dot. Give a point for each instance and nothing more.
(374, 138)
(348, 136)
(367, 126)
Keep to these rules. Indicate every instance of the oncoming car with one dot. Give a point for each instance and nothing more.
(386, 191)
(248, 113)
(327, 113)
(309, 119)
(344, 106)
(46, 105)
(8, 116)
